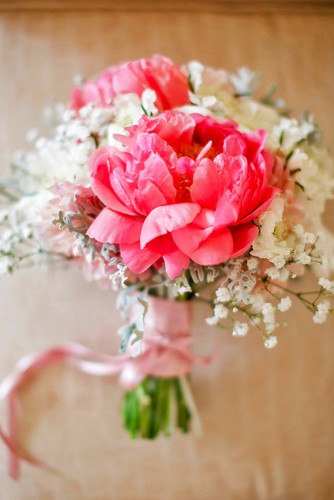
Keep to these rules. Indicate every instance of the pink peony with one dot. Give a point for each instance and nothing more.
(158, 73)
(186, 187)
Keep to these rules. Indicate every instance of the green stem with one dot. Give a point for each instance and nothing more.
(299, 295)
(158, 406)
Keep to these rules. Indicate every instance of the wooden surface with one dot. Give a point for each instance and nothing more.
(268, 415)
(208, 6)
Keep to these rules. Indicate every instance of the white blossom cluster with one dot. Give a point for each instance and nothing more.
(20, 238)
(260, 300)
(62, 157)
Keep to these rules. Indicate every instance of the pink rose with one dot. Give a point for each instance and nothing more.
(158, 73)
(186, 187)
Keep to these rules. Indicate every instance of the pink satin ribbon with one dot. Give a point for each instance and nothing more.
(166, 352)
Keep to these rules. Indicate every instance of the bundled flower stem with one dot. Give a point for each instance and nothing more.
(158, 396)
(157, 405)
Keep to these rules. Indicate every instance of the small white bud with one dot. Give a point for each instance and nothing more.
(240, 329)
(284, 304)
(270, 342)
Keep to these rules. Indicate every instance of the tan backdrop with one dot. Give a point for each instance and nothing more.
(268, 415)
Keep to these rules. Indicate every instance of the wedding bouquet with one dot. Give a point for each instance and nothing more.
(175, 185)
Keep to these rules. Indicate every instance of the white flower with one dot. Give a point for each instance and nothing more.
(278, 261)
(114, 129)
(268, 312)
(213, 320)
(195, 69)
(323, 308)
(223, 294)
(284, 274)
(270, 342)
(128, 110)
(68, 115)
(77, 130)
(253, 115)
(240, 329)
(326, 284)
(244, 81)
(86, 110)
(148, 99)
(289, 132)
(284, 304)
(309, 238)
(257, 301)
(198, 106)
(220, 311)
(304, 259)
(273, 273)
(268, 245)
(5, 265)
(325, 263)
(252, 263)
(314, 171)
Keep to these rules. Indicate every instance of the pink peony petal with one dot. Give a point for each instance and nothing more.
(147, 197)
(170, 83)
(150, 145)
(227, 211)
(217, 248)
(166, 219)
(100, 165)
(243, 237)
(255, 144)
(205, 219)
(208, 129)
(234, 145)
(172, 127)
(112, 227)
(137, 259)
(175, 260)
(268, 196)
(175, 263)
(189, 238)
(155, 183)
(158, 73)
(208, 185)
(270, 161)
(101, 157)
(88, 92)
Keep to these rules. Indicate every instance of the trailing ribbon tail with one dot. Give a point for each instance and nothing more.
(166, 352)
(32, 364)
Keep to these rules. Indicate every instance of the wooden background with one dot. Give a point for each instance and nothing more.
(268, 415)
(189, 6)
